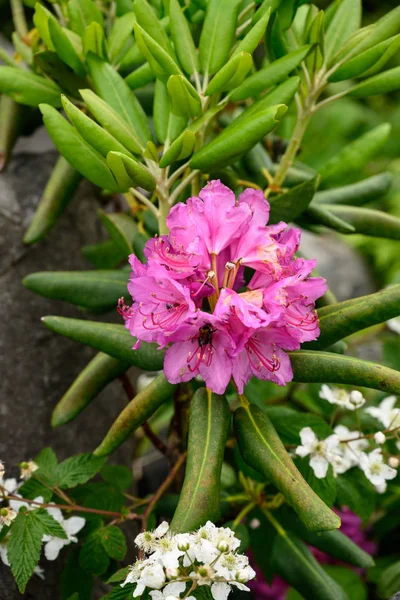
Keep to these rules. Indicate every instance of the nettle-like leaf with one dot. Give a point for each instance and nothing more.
(78, 469)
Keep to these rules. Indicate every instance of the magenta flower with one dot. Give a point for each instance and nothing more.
(217, 319)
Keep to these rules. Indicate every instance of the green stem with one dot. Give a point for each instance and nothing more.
(163, 212)
(273, 521)
(245, 511)
(18, 16)
(8, 60)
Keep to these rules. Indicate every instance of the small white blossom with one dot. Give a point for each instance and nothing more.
(351, 444)
(71, 526)
(380, 437)
(171, 590)
(322, 452)
(27, 468)
(7, 516)
(393, 462)
(146, 541)
(394, 324)
(9, 485)
(350, 400)
(376, 470)
(151, 576)
(254, 523)
(386, 413)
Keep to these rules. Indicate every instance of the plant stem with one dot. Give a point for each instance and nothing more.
(163, 212)
(74, 507)
(8, 60)
(18, 17)
(245, 510)
(273, 521)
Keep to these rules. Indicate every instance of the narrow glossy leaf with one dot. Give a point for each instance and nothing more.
(161, 109)
(346, 21)
(368, 62)
(270, 75)
(316, 36)
(140, 77)
(231, 75)
(41, 19)
(384, 28)
(181, 148)
(111, 339)
(143, 405)
(132, 59)
(324, 216)
(94, 290)
(263, 450)
(159, 59)
(130, 172)
(92, 133)
(182, 38)
(251, 40)
(326, 367)
(94, 41)
(64, 47)
(282, 94)
(11, 120)
(199, 501)
(104, 255)
(52, 66)
(390, 51)
(217, 34)
(82, 13)
(154, 27)
(289, 205)
(27, 88)
(388, 81)
(389, 581)
(100, 371)
(356, 154)
(121, 228)
(120, 34)
(59, 191)
(78, 153)
(110, 86)
(358, 193)
(297, 565)
(237, 139)
(367, 221)
(185, 101)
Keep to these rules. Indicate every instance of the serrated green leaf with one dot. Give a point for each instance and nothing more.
(27, 88)
(117, 475)
(356, 194)
(119, 576)
(24, 546)
(74, 579)
(182, 38)
(114, 543)
(346, 21)
(50, 525)
(78, 469)
(122, 593)
(291, 204)
(93, 558)
(217, 34)
(82, 13)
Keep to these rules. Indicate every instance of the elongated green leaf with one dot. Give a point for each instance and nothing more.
(52, 66)
(355, 155)
(27, 88)
(297, 565)
(82, 13)
(105, 255)
(100, 371)
(120, 34)
(270, 75)
(368, 62)
(368, 221)
(143, 405)
(388, 81)
(326, 367)
(41, 19)
(154, 27)
(357, 193)
(159, 59)
(346, 21)
(181, 148)
(384, 28)
(11, 119)
(231, 75)
(121, 228)
(324, 216)
(263, 450)
(185, 101)
(110, 86)
(93, 134)
(161, 109)
(182, 38)
(251, 40)
(217, 34)
(78, 153)
(112, 122)
(237, 139)
(111, 339)
(389, 581)
(95, 290)
(208, 429)
(64, 47)
(137, 174)
(94, 41)
(289, 205)
(140, 77)
(282, 94)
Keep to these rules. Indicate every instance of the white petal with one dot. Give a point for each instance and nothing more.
(326, 393)
(53, 547)
(308, 437)
(302, 451)
(156, 595)
(220, 591)
(139, 589)
(55, 513)
(332, 442)
(388, 403)
(74, 524)
(388, 472)
(174, 589)
(381, 488)
(161, 529)
(4, 554)
(319, 465)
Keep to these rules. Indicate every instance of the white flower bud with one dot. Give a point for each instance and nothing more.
(183, 546)
(172, 573)
(242, 576)
(393, 462)
(380, 437)
(254, 524)
(223, 546)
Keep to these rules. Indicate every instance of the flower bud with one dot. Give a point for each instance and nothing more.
(380, 437)
(183, 546)
(172, 573)
(393, 462)
(255, 523)
(223, 546)
(242, 576)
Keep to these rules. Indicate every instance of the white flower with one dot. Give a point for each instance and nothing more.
(71, 526)
(376, 470)
(220, 590)
(341, 397)
(151, 576)
(9, 485)
(322, 452)
(348, 452)
(386, 413)
(394, 462)
(7, 516)
(380, 437)
(18, 504)
(27, 468)
(171, 590)
(394, 324)
(147, 540)
(4, 550)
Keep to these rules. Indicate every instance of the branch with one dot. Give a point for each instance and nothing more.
(142, 198)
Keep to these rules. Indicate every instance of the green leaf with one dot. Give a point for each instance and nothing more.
(349, 580)
(93, 558)
(355, 155)
(32, 487)
(109, 338)
(114, 543)
(155, 28)
(122, 593)
(118, 476)
(185, 100)
(237, 139)
(161, 110)
(289, 422)
(282, 94)
(346, 21)
(181, 148)
(356, 492)
(291, 204)
(217, 34)
(140, 77)
(231, 75)
(326, 367)
(129, 172)
(76, 151)
(381, 30)
(74, 579)
(324, 216)
(24, 547)
(263, 450)
(119, 576)
(27, 88)
(78, 469)
(100, 371)
(367, 221)
(325, 488)
(121, 228)
(160, 60)
(182, 38)
(199, 501)
(112, 88)
(143, 405)
(120, 34)
(389, 581)
(82, 13)
(105, 255)
(368, 62)
(64, 47)
(270, 75)
(357, 193)
(50, 525)
(58, 193)
(385, 82)
(94, 41)
(251, 40)
(53, 67)
(41, 19)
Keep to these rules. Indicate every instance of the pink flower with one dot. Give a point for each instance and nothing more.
(218, 319)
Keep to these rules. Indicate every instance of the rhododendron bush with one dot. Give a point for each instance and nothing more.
(191, 118)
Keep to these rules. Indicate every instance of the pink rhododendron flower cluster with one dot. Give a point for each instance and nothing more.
(224, 291)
